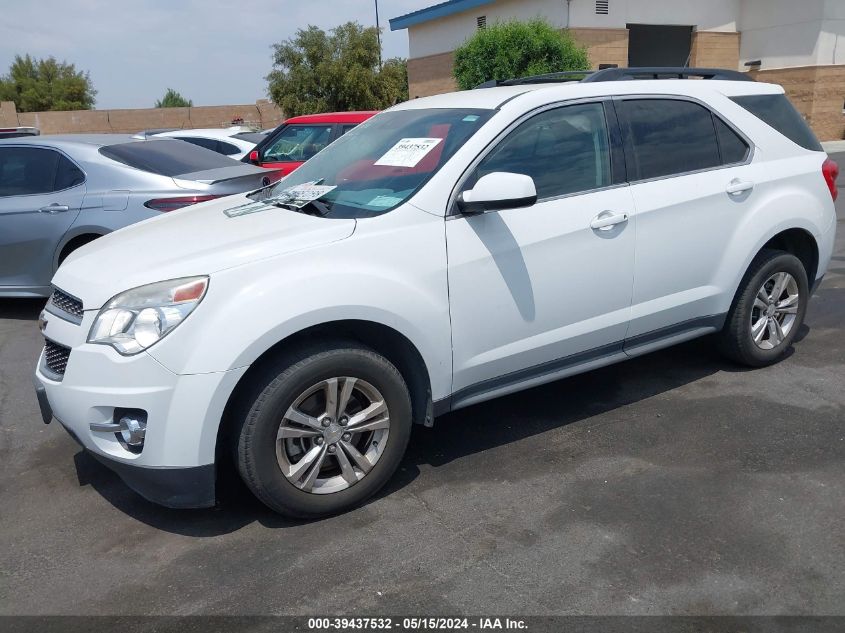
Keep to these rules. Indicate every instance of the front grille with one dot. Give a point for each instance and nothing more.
(55, 357)
(64, 302)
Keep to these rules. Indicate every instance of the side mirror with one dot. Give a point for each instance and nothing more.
(499, 190)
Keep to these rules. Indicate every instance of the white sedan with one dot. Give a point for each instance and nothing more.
(234, 142)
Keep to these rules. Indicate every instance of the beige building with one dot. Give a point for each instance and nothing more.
(798, 43)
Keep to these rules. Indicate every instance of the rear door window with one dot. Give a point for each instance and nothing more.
(26, 171)
(668, 136)
(165, 157)
(779, 113)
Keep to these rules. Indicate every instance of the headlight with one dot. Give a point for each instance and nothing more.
(138, 318)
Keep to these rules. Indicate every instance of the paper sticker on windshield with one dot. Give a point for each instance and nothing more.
(408, 152)
(300, 195)
(385, 201)
(246, 209)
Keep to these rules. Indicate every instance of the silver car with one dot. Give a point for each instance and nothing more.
(60, 192)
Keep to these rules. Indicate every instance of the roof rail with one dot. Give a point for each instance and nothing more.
(569, 75)
(666, 72)
(623, 74)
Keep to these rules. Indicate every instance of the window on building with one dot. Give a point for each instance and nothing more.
(564, 150)
(602, 7)
(669, 136)
(481, 21)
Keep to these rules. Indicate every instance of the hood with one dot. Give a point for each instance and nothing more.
(197, 240)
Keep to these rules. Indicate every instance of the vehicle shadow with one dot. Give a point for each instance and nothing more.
(456, 435)
(476, 429)
(21, 309)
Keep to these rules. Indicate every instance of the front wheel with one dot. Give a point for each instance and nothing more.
(326, 432)
(768, 310)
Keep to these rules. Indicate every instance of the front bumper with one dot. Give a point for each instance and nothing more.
(190, 487)
(176, 465)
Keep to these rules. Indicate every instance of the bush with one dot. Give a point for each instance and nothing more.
(512, 49)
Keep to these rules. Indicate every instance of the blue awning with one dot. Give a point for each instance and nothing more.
(434, 12)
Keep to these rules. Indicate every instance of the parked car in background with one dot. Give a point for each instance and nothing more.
(234, 142)
(60, 192)
(145, 134)
(454, 249)
(16, 132)
(299, 138)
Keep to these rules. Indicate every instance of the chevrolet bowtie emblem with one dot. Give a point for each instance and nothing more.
(42, 321)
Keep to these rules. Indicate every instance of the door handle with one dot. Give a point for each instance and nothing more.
(54, 208)
(606, 220)
(737, 186)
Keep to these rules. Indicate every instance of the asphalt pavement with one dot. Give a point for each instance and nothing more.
(675, 483)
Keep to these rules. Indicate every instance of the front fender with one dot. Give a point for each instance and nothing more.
(397, 280)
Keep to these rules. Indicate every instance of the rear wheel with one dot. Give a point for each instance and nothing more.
(768, 311)
(326, 432)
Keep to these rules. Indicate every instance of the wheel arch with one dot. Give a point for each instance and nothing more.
(802, 244)
(381, 338)
(73, 240)
(798, 241)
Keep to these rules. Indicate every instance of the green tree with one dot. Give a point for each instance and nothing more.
(36, 85)
(318, 71)
(516, 49)
(173, 99)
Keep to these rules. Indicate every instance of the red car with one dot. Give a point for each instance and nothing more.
(299, 138)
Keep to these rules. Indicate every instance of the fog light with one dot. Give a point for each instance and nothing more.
(132, 430)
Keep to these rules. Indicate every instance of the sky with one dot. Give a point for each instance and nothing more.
(214, 52)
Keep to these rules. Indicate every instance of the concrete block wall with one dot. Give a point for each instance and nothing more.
(712, 49)
(8, 114)
(431, 75)
(262, 113)
(604, 46)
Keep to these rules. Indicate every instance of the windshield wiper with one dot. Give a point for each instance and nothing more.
(319, 209)
(286, 202)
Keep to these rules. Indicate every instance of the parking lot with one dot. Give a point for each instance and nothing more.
(675, 483)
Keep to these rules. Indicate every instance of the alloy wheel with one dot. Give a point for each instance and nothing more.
(775, 310)
(332, 435)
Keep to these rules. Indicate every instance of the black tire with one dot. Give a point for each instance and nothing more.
(735, 340)
(283, 383)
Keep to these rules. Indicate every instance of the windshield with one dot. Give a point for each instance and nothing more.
(297, 143)
(379, 164)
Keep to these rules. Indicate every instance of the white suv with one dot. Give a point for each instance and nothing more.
(449, 250)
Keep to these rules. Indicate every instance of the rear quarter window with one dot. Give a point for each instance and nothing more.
(165, 157)
(779, 113)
